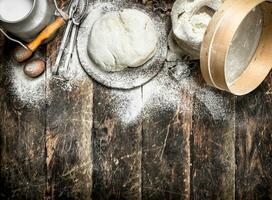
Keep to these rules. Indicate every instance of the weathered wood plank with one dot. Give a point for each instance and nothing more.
(166, 145)
(253, 143)
(68, 133)
(116, 146)
(213, 143)
(22, 141)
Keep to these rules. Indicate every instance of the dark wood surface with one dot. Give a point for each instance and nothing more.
(22, 144)
(75, 146)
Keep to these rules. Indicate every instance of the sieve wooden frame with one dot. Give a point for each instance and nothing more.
(217, 41)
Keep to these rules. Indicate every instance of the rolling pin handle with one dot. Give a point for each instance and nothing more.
(21, 54)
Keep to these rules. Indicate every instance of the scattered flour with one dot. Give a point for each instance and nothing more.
(27, 90)
(34, 91)
(163, 94)
(160, 95)
(73, 75)
(156, 96)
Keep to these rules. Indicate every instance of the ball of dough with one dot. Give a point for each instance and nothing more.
(122, 39)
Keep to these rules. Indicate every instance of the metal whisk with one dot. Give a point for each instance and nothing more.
(77, 12)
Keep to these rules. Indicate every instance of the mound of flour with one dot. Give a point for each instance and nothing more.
(190, 20)
(34, 91)
(163, 94)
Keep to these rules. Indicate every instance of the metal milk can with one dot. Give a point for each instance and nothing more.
(26, 18)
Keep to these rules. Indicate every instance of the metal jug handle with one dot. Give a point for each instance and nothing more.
(60, 11)
(12, 39)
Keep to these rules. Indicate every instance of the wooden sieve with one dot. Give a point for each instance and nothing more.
(220, 39)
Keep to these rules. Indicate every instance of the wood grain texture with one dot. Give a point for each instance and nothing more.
(253, 143)
(68, 136)
(212, 149)
(117, 150)
(166, 151)
(22, 141)
(81, 145)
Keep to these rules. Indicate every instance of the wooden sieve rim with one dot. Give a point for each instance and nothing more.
(217, 41)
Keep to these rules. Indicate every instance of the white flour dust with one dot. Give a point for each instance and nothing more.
(34, 91)
(160, 95)
(164, 94)
(197, 26)
(73, 75)
(155, 97)
(28, 90)
(189, 26)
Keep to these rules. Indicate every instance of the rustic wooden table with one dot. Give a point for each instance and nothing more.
(75, 146)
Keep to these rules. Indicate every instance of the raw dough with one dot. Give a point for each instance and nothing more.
(122, 39)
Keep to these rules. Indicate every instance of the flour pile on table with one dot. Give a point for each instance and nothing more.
(28, 90)
(163, 94)
(34, 91)
(190, 20)
(191, 29)
(73, 75)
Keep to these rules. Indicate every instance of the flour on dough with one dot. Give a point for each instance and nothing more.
(122, 39)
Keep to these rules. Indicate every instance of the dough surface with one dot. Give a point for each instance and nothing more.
(122, 39)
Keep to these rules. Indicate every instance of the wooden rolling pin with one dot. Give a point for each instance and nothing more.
(21, 54)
